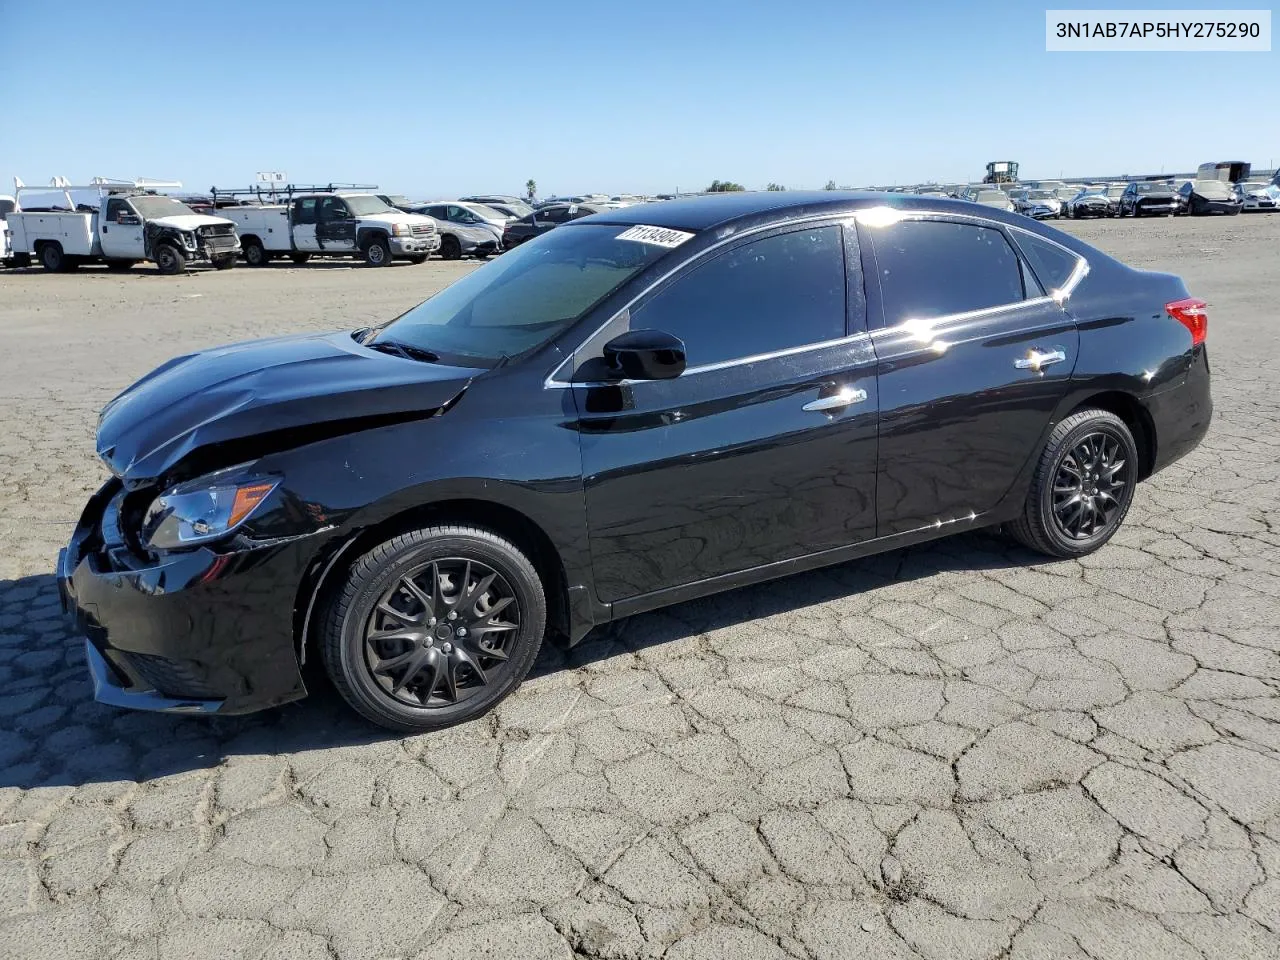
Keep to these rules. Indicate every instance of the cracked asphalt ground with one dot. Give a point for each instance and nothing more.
(955, 751)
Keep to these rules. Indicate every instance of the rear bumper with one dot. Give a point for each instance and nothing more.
(1181, 414)
(192, 632)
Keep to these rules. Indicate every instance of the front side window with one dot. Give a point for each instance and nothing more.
(304, 211)
(331, 208)
(935, 268)
(783, 291)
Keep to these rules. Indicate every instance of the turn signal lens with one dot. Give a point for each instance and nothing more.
(246, 499)
(1191, 314)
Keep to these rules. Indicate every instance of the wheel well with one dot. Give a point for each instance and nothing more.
(1136, 418)
(249, 238)
(368, 234)
(503, 520)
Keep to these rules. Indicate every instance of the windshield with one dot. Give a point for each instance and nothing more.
(487, 213)
(367, 206)
(986, 196)
(151, 208)
(526, 297)
(1115, 190)
(1041, 194)
(1154, 188)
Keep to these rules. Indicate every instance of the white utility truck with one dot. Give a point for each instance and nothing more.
(127, 221)
(7, 206)
(332, 221)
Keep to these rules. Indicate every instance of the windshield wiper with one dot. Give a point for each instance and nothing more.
(406, 350)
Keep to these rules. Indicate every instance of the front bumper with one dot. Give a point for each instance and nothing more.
(414, 246)
(191, 632)
(1161, 206)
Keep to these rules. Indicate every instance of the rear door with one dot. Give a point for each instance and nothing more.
(335, 225)
(304, 224)
(973, 359)
(764, 449)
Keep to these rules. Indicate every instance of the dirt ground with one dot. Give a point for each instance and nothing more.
(954, 751)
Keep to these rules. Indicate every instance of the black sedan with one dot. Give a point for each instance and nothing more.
(638, 408)
(544, 219)
(1145, 198)
(1201, 197)
(1090, 203)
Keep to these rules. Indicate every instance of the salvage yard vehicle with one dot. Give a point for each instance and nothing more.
(7, 206)
(624, 413)
(129, 223)
(1259, 196)
(464, 232)
(326, 223)
(1202, 197)
(997, 199)
(1146, 197)
(1090, 202)
(1037, 204)
(545, 219)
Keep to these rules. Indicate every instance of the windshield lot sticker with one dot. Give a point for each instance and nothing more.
(658, 236)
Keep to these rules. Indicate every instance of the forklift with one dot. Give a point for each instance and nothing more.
(1001, 171)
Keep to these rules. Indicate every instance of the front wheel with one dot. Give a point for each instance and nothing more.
(169, 259)
(377, 253)
(433, 627)
(255, 254)
(1082, 487)
(450, 249)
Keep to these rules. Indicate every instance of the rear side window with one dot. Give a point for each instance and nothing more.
(1052, 264)
(783, 291)
(933, 268)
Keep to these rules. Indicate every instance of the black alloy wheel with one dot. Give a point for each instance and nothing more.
(433, 627)
(438, 636)
(1082, 487)
(450, 248)
(169, 259)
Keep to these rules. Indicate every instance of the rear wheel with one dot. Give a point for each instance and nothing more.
(433, 627)
(52, 258)
(169, 259)
(1082, 487)
(450, 248)
(255, 255)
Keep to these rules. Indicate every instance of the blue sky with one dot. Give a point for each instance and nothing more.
(438, 98)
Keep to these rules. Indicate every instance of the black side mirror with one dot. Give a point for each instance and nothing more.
(645, 355)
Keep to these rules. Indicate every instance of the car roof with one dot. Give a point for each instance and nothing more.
(713, 210)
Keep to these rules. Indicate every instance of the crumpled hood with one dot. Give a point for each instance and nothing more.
(190, 221)
(258, 387)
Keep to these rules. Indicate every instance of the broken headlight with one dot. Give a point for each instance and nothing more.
(202, 510)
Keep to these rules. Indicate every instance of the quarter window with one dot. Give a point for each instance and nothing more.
(1051, 263)
(783, 291)
(934, 268)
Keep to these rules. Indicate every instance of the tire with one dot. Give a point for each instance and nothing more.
(450, 248)
(224, 263)
(169, 259)
(52, 258)
(255, 255)
(435, 557)
(418, 258)
(377, 253)
(120, 266)
(299, 258)
(1048, 530)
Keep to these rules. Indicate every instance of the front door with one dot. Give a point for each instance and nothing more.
(764, 449)
(335, 225)
(974, 357)
(120, 227)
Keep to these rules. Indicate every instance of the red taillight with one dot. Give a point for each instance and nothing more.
(1191, 314)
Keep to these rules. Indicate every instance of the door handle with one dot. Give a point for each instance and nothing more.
(837, 401)
(1038, 359)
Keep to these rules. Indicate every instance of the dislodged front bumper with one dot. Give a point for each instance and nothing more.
(192, 632)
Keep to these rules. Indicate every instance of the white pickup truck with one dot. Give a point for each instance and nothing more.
(331, 224)
(128, 223)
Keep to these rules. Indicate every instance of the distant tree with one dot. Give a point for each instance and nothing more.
(530, 188)
(724, 186)
(775, 187)
(831, 185)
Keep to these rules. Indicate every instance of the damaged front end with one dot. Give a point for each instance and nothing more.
(178, 566)
(206, 243)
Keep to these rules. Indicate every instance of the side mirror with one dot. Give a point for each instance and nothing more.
(128, 220)
(645, 355)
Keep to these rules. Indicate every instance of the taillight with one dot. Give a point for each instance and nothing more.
(1191, 314)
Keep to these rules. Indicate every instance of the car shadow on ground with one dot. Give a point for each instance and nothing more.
(53, 734)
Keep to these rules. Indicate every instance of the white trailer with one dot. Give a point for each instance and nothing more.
(130, 222)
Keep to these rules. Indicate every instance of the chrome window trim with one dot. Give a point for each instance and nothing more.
(847, 219)
(949, 319)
